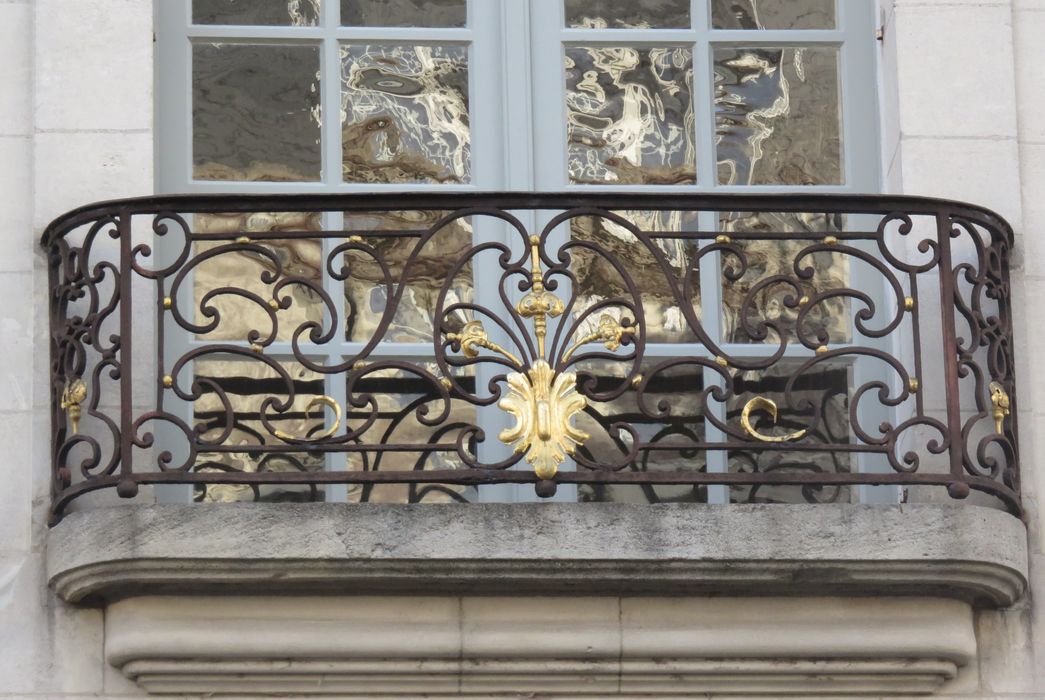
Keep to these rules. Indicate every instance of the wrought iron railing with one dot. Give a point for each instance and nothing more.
(416, 346)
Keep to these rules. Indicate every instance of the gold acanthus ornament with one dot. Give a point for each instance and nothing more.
(543, 403)
(73, 395)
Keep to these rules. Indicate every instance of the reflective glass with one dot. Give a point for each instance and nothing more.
(630, 115)
(243, 386)
(778, 116)
(295, 13)
(825, 386)
(404, 13)
(629, 14)
(238, 267)
(255, 112)
(404, 114)
(773, 14)
(599, 278)
(366, 292)
(400, 400)
(752, 299)
(681, 386)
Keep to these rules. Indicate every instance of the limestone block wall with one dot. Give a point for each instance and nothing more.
(963, 115)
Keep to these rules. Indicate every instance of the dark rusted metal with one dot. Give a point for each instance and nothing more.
(913, 246)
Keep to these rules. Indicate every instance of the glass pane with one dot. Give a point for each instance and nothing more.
(367, 294)
(404, 13)
(247, 267)
(628, 14)
(294, 13)
(598, 279)
(824, 385)
(402, 399)
(404, 113)
(630, 115)
(778, 116)
(773, 14)
(255, 112)
(244, 386)
(751, 299)
(681, 386)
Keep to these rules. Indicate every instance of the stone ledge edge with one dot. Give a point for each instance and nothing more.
(969, 553)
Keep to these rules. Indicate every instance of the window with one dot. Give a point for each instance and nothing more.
(553, 95)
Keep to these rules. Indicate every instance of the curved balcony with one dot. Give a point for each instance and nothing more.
(413, 347)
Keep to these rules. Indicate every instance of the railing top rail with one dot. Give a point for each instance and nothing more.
(818, 202)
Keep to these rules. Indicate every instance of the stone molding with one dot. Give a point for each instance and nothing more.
(549, 647)
(964, 552)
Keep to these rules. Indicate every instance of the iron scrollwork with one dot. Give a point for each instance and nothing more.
(280, 370)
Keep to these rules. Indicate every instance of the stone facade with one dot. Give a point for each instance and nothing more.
(962, 94)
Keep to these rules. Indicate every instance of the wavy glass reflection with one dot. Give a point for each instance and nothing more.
(294, 13)
(599, 282)
(235, 281)
(773, 14)
(388, 242)
(404, 13)
(231, 411)
(778, 116)
(630, 115)
(668, 436)
(814, 398)
(404, 114)
(627, 14)
(783, 287)
(255, 112)
(396, 406)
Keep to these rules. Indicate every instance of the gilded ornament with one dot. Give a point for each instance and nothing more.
(73, 395)
(610, 332)
(1000, 400)
(543, 404)
(539, 303)
(473, 337)
(322, 400)
(761, 403)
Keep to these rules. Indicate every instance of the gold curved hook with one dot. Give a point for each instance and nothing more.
(761, 403)
(322, 400)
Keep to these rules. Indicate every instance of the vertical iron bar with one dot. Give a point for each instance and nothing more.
(127, 486)
(957, 489)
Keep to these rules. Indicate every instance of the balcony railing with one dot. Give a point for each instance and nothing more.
(415, 346)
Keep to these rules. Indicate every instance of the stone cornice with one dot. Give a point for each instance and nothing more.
(970, 553)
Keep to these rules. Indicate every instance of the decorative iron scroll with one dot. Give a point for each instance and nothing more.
(415, 346)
